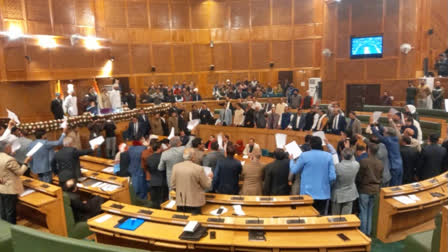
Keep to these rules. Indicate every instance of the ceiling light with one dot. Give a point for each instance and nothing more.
(47, 42)
(14, 31)
(91, 43)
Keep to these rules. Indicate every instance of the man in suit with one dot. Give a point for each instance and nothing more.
(171, 157)
(135, 129)
(204, 114)
(368, 180)
(138, 177)
(311, 118)
(285, 120)
(144, 121)
(252, 147)
(65, 163)
(354, 125)
(56, 107)
(198, 147)
(95, 127)
(156, 125)
(344, 189)
(40, 164)
(276, 175)
(272, 120)
(173, 122)
(298, 121)
(252, 176)
(194, 113)
(238, 118)
(338, 122)
(295, 100)
(132, 99)
(432, 157)
(82, 209)
(159, 186)
(196, 95)
(212, 157)
(410, 157)
(260, 117)
(227, 172)
(249, 117)
(190, 182)
(10, 183)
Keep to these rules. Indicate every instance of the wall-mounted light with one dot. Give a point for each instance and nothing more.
(106, 70)
(153, 69)
(47, 42)
(327, 53)
(112, 59)
(212, 44)
(212, 67)
(28, 59)
(405, 48)
(271, 64)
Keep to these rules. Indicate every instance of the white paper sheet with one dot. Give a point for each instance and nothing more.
(26, 192)
(215, 212)
(191, 226)
(446, 105)
(414, 197)
(108, 169)
(219, 139)
(13, 116)
(393, 111)
(238, 210)
(207, 170)
(103, 218)
(242, 163)
(171, 204)
(376, 116)
(335, 159)
(153, 137)
(192, 124)
(96, 141)
(34, 149)
(293, 149)
(171, 133)
(245, 156)
(64, 123)
(15, 146)
(405, 200)
(320, 134)
(280, 140)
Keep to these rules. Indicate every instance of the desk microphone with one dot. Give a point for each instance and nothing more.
(257, 221)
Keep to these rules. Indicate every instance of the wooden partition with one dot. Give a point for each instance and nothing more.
(264, 137)
(97, 164)
(46, 200)
(396, 220)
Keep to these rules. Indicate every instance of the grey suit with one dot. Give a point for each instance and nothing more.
(168, 159)
(225, 115)
(355, 126)
(344, 189)
(212, 158)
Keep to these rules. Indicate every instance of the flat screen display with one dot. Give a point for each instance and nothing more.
(366, 47)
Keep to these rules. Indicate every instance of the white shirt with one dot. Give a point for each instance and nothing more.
(70, 105)
(115, 99)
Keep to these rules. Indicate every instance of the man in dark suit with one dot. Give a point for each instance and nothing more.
(56, 107)
(82, 210)
(249, 117)
(159, 186)
(204, 114)
(431, 161)
(338, 122)
(276, 175)
(132, 99)
(227, 173)
(309, 118)
(196, 96)
(410, 157)
(298, 121)
(135, 130)
(144, 121)
(65, 163)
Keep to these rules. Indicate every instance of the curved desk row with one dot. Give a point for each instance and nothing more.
(410, 208)
(97, 164)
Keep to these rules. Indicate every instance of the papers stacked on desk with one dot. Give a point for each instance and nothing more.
(406, 200)
(103, 218)
(238, 210)
(105, 186)
(109, 169)
(26, 192)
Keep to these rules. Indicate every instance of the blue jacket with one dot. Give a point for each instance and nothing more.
(286, 120)
(393, 149)
(42, 158)
(135, 163)
(317, 173)
(226, 176)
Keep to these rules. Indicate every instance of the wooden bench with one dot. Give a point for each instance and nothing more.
(396, 220)
(97, 164)
(46, 201)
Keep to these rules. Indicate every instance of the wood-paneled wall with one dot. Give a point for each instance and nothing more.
(172, 35)
(400, 21)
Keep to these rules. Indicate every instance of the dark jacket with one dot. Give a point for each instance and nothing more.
(301, 124)
(158, 178)
(309, 120)
(431, 161)
(83, 211)
(369, 176)
(66, 163)
(276, 178)
(56, 109)
(132, 135)
(249, 118)
(212, 158)
(226, 176)
(260, 119)
(132, 101)
(95, 129)
(144, 120)
(205, 116)
(341, 124)
(109, 128)
(410, 157)
(285, 120)
(125, 159)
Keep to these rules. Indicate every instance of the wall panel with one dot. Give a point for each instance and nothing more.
(160, 15)
(303, 53)
(180, 16)
(240, 55)
(367, 18)
(13, 9)
(281, 12)
(162, 58)
(221, 57)
(64, 12)
(84, 12)
(260, 12)
(303, 11)
(239, 14)
(115, 15)
(260, 54)
(137, 13)
(38, 10)
(202, 57)
(200, 14)
(141, 59)
(182, 58)
(281, 53)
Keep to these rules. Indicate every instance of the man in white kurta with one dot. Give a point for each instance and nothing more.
(70, 105)
(115, 98)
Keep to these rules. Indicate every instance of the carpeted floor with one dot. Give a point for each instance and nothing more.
(378, 246)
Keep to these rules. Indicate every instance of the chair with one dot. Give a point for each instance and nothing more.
(5, 236)
(136, 200)
(78, 230)
(428, 241)
(265, 153)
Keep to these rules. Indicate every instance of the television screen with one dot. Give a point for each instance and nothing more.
(366, 47)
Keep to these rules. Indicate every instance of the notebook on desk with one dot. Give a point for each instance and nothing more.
(130, 224)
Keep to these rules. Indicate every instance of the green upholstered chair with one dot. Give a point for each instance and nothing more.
(136, 200)
(78, 230)
(5, 236)
(428, 241)
(265, 153)
(27, 239)
(375, 215)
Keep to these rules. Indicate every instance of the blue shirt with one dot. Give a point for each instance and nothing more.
(317, 173)
(42, 158)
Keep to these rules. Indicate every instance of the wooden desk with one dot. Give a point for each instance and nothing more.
(444, 233)
(397, 220)
(152, 235)
(96, 163)
(120, 194)
(48, 201)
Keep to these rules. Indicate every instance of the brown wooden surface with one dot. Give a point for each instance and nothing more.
(444, 232)
(48, 201)
(397, 220)
(96, 163)
(153, 235)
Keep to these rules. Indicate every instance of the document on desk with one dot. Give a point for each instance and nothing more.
(109, 169)
(280, 140)
(171, 204)
(414, 197)
(103, 218)
(238, 210)
(96, 141)
(26, 192)
(219, 211)
(34, 149)
(293, 149)
(404, 200)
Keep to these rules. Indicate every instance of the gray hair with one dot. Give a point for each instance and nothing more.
(67, 142)
(3, 145)
(390, 131)
(188, 154)
(175, 141)
(347, 154)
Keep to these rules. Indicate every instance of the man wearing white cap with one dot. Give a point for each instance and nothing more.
(115, 98)
(70, 102)
(196, 95)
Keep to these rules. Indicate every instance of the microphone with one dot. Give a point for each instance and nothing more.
(257, 221)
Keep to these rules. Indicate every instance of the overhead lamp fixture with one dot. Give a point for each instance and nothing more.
(14, 31)
(47, 42)
(91, 43)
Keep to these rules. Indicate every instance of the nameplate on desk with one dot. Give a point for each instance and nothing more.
(27, 181)
(437, 194)
(394, 189)
(219, 220)
(44, 186)
(208, 196)
(237, 198)
(112, 178)
(416, 185)
(148, 212)
(295, 221)
(117, 206)
(434, 181)
(94, 174)
(446, 175)
(296, 198)
(337, 219)
(178, 216)
(266, 199)
(254, 221)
